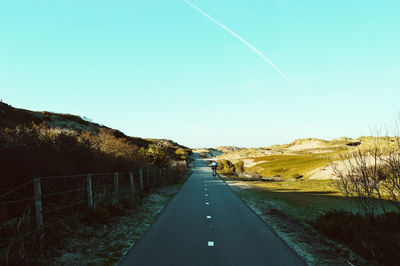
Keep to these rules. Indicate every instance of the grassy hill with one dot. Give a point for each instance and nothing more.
(45, 144)
(301, 157)
(34, 144)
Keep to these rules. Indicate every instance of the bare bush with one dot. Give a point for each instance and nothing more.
(391, 172)
(361, 179)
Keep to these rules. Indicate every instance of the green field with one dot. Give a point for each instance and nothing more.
(304, 200)
(287, 165)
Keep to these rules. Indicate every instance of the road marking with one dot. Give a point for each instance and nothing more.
(207, 203)
(208, 217)
(205, 189)
(205, 185)
(206, 195)
(210, 243)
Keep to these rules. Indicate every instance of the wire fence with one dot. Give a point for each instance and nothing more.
(45, 202)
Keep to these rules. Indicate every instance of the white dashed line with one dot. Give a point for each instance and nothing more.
(205, 189)
(208, 217)
(206, 195)
(207, 203)
(210, 243)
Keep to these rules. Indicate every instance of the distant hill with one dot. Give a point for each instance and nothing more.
(303, 146)
(228, 148)
(308, 157)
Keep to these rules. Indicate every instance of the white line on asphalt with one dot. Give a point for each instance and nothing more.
(210, 243)
(208, 217)
(207, 203)
(206, 195)
(205, 189)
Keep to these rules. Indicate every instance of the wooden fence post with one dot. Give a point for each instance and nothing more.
(38, 205)
(141, 179)
(116, 188)
(131, 182)
(89, 190)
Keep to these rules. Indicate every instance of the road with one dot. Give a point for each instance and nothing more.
(207, 224)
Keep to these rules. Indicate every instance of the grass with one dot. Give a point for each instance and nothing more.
(287, 165)
(316, 203)
(302, 199)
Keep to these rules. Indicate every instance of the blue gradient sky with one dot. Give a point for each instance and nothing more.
(161, 69)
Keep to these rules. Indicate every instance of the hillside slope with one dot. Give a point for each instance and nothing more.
(34, 144)
(310, 158)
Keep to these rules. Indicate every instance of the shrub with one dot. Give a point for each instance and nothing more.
(156, 155)
(374, 238)
(226, 167)
(180, 151)
(297, 176)
(239, 166)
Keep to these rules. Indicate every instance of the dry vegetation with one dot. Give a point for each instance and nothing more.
(33, 147)
(42, 144)
(303, 157)
(348, 189)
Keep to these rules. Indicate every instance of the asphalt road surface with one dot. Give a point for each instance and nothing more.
(207, 224)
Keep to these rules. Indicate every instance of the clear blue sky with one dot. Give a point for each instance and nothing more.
(162, 69)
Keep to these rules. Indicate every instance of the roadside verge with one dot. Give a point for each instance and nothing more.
(308, 243)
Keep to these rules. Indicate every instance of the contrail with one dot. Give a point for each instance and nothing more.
(237, 36)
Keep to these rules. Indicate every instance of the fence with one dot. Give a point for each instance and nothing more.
(48, 201)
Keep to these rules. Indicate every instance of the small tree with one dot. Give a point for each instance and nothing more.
(239, 166)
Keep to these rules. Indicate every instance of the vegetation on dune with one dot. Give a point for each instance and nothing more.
(37, 150)
(183, 154)
(370, 174)
(226, 167)
(366, 182)
(31, 147)
(44, 144)
(239, 167)
(288, 165)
